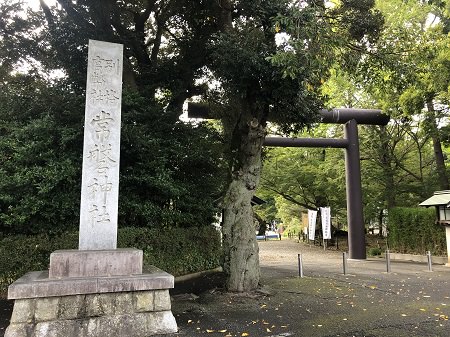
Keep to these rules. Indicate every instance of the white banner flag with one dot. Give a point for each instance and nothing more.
(325, 213)
(312, 216)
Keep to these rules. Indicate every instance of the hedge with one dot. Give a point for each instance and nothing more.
(178, 251)
(414, 231)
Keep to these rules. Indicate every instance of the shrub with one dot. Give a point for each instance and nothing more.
(374, 251)
(413, 230)
(176, 250)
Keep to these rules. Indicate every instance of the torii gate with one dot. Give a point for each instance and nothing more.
(350, 118)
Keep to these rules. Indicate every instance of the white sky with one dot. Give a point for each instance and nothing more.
(33, 3)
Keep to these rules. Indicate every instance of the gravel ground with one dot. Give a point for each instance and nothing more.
(276, 252)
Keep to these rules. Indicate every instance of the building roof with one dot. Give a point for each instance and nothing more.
(438, 198)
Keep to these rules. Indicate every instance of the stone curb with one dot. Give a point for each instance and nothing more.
(416, 258)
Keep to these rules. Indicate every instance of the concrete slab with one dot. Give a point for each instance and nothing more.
(91, 263)
(38, 284)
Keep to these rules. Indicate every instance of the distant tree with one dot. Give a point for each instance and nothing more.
(407, 69)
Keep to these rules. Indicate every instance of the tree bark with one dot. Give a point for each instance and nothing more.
(241, 252)
(438, 154)
(388, 172)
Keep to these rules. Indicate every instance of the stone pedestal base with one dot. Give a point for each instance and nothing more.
(107, 306)
(142, 313)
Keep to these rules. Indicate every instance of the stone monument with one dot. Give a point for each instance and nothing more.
(101, 150)
(98, 290)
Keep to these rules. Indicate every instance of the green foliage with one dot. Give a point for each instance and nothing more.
(40, 157)
(178, 251)
(411, 101)
(359, 19)
(171, 172)
(374, 251)
(299, 179)
(40, 162)
(20, 254)
(398, 169)
(414, 230)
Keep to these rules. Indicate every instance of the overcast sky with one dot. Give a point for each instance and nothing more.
(33, 3)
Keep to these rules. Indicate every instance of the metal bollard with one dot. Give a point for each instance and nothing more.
(300, 265)
(388, 261)
(344, 262)
(430, 268)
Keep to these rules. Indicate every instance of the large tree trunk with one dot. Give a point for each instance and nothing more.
(438, 154)
(388, 172)
(241, 250)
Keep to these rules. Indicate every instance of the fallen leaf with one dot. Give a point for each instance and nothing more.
(244, 334)
(223, 330)
(209, 331)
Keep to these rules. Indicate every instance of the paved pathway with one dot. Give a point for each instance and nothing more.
(409, 301)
